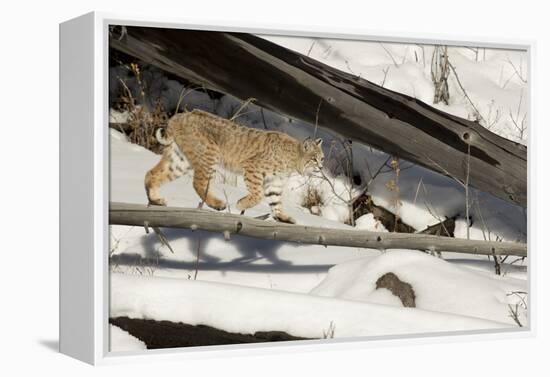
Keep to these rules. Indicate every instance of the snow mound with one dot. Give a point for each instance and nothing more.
(368, 222)
(121, 341)
(253, 309)
(439, 286)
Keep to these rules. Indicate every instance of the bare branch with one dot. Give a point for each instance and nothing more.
(136, 214)
(243, 105)
(390, 55)
(477, 113)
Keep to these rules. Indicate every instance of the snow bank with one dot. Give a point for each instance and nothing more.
(247, 310)
(121, 341)
(439, 286)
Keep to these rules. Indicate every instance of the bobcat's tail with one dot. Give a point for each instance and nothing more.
(162, 138)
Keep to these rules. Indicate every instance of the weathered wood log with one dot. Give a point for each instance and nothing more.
(224, 223)
(282, 80)
(445, 228)
(364, 204)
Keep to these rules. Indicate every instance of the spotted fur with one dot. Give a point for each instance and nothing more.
(199, 141)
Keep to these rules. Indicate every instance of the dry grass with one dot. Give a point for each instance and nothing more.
(142, 122)
(313, 200)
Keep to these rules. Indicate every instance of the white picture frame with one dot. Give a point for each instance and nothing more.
(84, 190)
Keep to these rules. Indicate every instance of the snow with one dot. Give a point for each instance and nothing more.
(439, 286)
(368, 222)
(247, 285)
(148, 281)
(254, 309)
(121, 341)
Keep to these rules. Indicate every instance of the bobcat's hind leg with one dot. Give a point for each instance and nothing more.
(171, 166)
(201, 183)
(273, 191)
(254, 182)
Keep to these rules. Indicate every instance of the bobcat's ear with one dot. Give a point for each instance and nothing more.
(319, 142)
(306, 144)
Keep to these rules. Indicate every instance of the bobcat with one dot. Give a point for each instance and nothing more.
(199, 140)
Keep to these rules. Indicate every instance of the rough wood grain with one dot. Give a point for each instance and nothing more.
(247, 66)
(225, 223)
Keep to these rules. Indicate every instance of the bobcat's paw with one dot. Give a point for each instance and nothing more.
(217, 204)
(157, 202)
(285, 219)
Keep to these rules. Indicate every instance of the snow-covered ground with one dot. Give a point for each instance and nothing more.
(247, 285)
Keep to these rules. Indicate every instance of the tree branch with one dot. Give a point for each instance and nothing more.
(137, 214)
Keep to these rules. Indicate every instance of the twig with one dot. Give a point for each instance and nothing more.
(417, 190)
(477, 113)
(513, 310)
(423, 55)
(391, 56)
(198, 256)
(182, 96)
(440, 74)
(385, 75)
(497, 264)
(518, 74)
(243, 105)
(405, 55)
(515, 120)
(329, 333)
(317, 118)
(263, 117)
(162, 238)
(467, 193)
(311, 47)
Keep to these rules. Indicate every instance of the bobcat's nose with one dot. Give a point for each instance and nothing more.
(320, 163)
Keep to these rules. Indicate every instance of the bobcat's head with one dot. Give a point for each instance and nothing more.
(312, 156)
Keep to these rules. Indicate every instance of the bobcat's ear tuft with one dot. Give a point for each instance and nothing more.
(319, 142)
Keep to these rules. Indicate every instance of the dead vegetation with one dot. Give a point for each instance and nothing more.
(141, 121)
(313, 200)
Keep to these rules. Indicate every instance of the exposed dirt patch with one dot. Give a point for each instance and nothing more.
(165, 334)
(399, 288)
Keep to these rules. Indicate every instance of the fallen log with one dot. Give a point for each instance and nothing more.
(282, 80)
(230, 224)
(445, 228)
(364, 205)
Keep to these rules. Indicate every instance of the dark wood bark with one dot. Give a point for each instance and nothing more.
(364, 205)
(445, 228)
(228, 224)
(247, 66)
